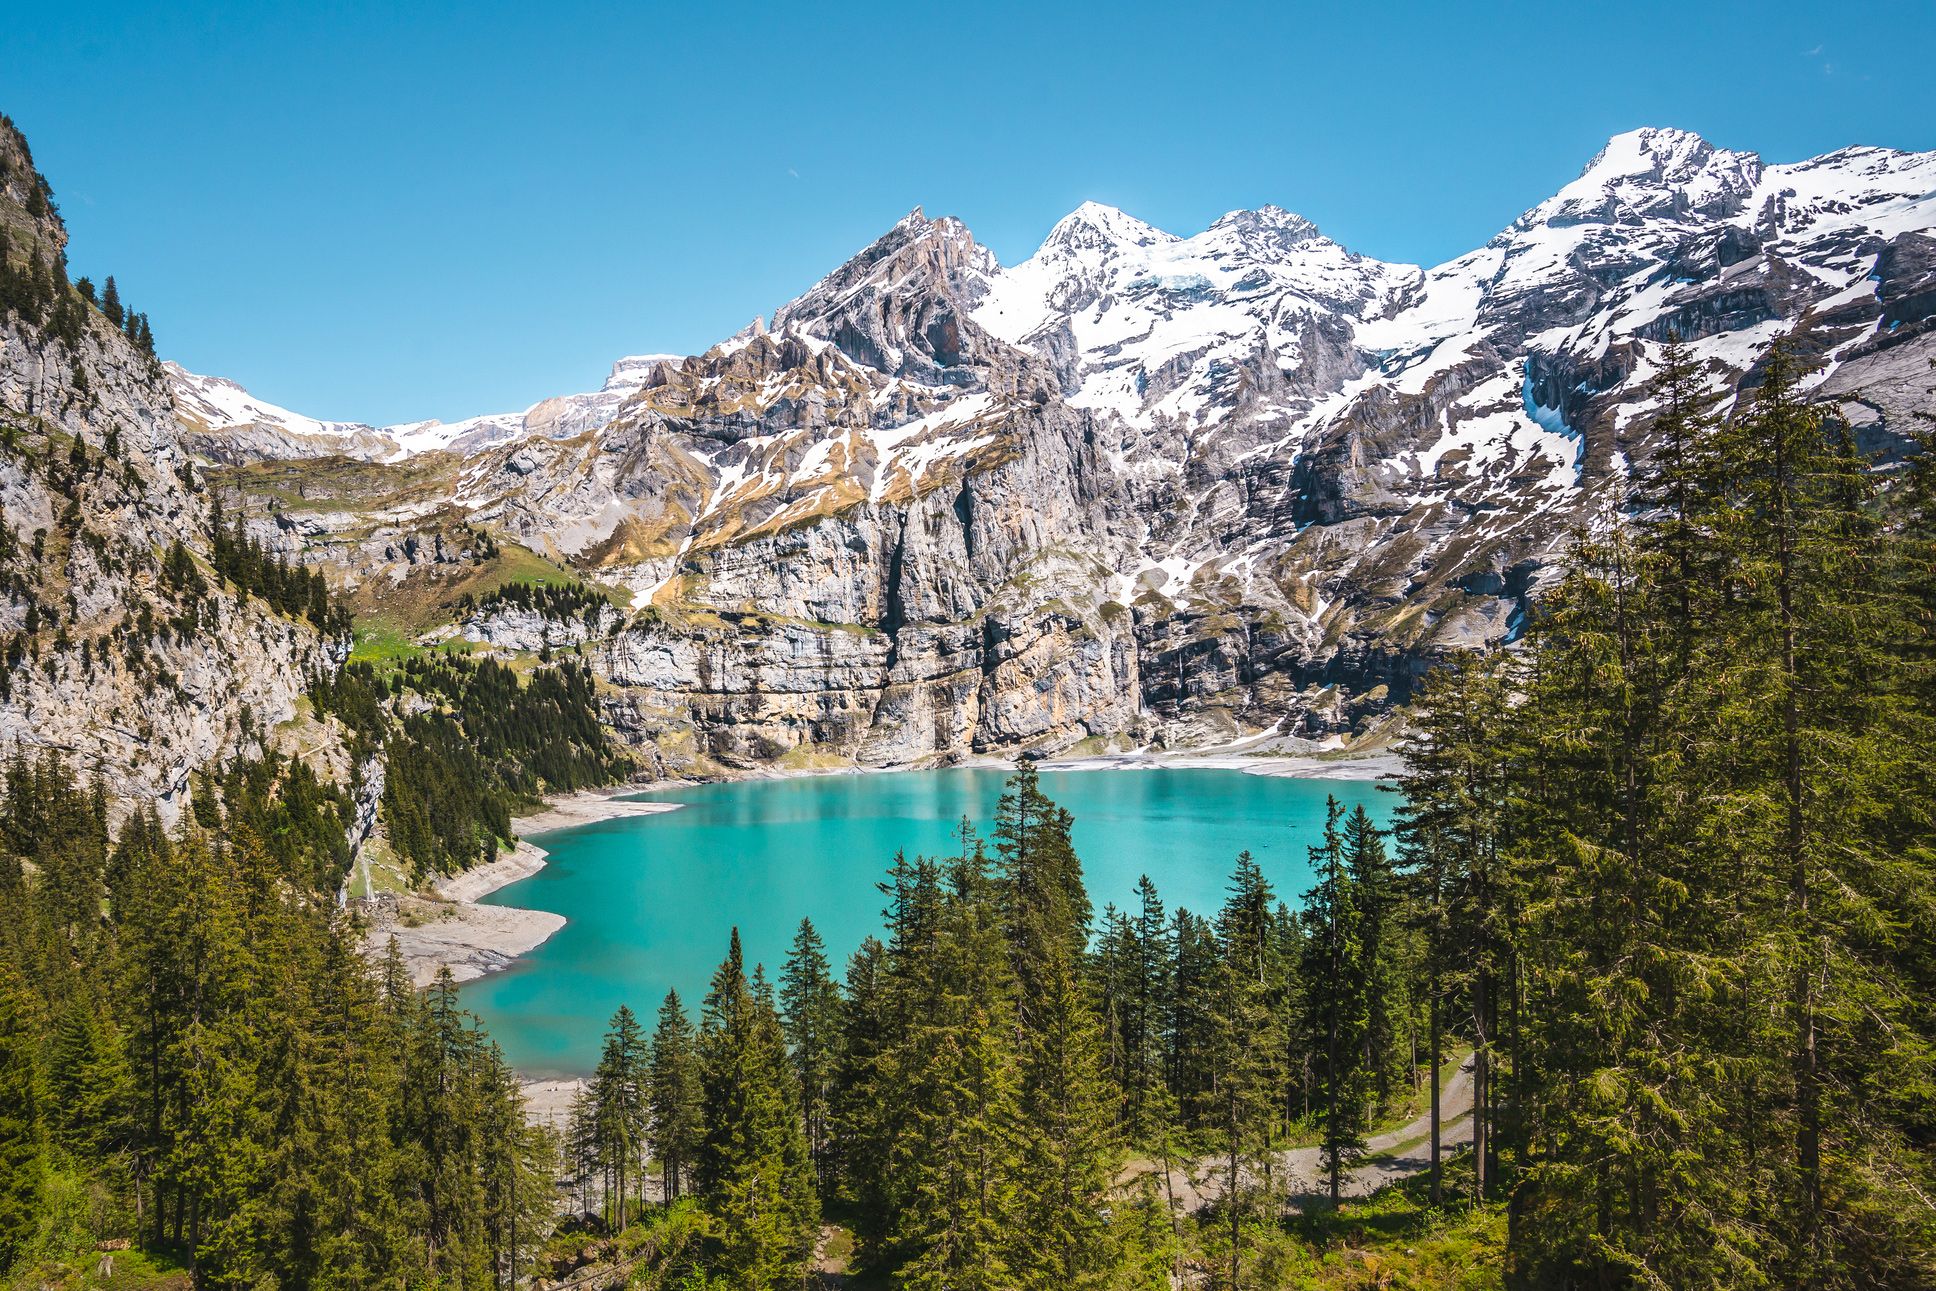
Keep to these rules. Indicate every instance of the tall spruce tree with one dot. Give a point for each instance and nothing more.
(959, 1152)
(752, 1168)
(22, 1136)
(675, 1096)
(1063, 1099)
(1336, 985)
(810, 1012)
(621, 1113)
(1247, 1059)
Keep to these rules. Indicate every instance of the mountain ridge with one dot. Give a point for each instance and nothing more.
(1136, 490)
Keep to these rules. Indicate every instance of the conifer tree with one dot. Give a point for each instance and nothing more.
(1066, 1158)
(89, 1084)
(675, 1120)
(809, 1009)
(959, 1154)
(1150, 1106)
(620, 1113)
(1246, 1059)
(1337, 1001)
(22, 1139)
(752, 1168)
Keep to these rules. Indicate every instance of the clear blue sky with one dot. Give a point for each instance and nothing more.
(385, 211)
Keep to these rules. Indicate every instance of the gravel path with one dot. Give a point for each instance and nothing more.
(1388, 1157)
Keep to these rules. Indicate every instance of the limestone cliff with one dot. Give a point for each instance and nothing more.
(132, 667)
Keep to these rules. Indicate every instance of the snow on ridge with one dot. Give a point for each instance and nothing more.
(1153, 325)
(217, 404)
(629, 374)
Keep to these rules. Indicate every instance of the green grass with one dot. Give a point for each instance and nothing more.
(1396, 1239)
(387, 872)
(129, 1270)
(391, 618)
(383, 643)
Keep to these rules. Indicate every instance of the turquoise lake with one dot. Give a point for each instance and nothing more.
(650, 900)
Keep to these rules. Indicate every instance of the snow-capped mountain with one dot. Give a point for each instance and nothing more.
(1151, 326)
(226, 423)
(1142, 487)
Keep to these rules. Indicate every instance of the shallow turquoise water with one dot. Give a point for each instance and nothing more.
(650, 899)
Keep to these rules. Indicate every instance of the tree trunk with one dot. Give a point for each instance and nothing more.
(1432, 1056)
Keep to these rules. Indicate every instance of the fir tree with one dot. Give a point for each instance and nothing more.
(752, 1168)
(809, 1010)
(620, 1113)
(22, 1145)
(675, 1094)
(1066, 1157)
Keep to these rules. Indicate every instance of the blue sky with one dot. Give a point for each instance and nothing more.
(386, 211)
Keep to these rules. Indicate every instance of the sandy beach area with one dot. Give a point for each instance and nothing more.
(548, 1102)
(445, 927)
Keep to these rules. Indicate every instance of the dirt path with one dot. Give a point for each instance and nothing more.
(1299, 1174)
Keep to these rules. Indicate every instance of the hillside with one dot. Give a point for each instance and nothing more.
(127, 657)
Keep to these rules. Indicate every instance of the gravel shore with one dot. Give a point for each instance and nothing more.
(447, 928)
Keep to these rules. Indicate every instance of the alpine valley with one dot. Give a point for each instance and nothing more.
(1138, 490)
(1135, 490)
(1633, 985)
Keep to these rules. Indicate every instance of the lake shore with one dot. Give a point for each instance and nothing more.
(1381, 765)
(447, 927)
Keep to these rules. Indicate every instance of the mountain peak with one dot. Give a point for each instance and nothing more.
(1094, 226)
(634, 371)
(1660, 151)
(1273, 222)
(1648, 173)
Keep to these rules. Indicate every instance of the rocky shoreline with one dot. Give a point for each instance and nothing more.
(1302, 766)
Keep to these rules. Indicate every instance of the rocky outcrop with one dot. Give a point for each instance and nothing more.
(133, 668)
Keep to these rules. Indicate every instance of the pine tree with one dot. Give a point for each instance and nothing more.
(1375, 889)
(1452, 825)
(809, 1010)
(516, 1181)
(1246, 1058)
(620, 1113)
(675, 1120)
(1066, 1158)
(22, 1144)
(89, 1083)
(1337, 1001)
(1150, 1109)
(752, 1168)
(958, 1155)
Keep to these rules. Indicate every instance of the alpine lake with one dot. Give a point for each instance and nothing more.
(650, 901)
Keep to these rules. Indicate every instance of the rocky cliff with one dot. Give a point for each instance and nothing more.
(123, 655)
(1142, 488)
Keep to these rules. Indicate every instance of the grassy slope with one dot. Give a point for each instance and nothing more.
(364, 497)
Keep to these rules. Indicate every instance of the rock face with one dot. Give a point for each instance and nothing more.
(1143, 489)
(112, 663)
